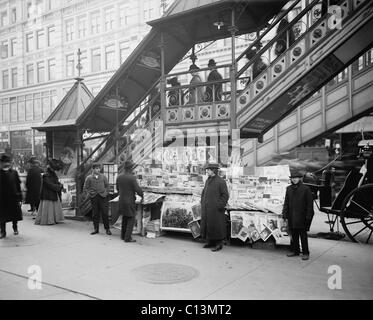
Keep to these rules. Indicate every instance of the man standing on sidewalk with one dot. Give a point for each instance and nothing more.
(127, 187)
(298, 210)
(10, 196)
(97, 187)
(213, 201)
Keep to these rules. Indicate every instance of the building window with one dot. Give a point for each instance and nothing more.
(124, 49)
(29, 107)
(70, 65)
(37, 106)
(40, 39)
(53, 99)
(109, 18)
(29, 9)
(3, 18)
(29, 41)
(13, 16)
(45, 104)
(6, 111)
(13, 48)
(82, 27)
(148, 9)
(14, 78)
(95, 22)
(69, 27)
(40, 71)
(96, 60)
(30, 74)
(52, 69)
(21, 108)
(123, 15)
(110, 57)
(51, 36)
(13, 110)
(4, 49)
(5, 79)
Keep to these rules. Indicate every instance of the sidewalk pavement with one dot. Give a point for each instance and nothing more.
(77, 265)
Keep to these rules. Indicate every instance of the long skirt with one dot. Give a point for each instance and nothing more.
(50, 212)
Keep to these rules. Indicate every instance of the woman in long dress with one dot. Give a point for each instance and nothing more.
(50, 208)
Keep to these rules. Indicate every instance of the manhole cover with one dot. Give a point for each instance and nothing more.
(18, 241)
(165, 273)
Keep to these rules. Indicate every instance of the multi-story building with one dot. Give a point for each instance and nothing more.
(39, 41)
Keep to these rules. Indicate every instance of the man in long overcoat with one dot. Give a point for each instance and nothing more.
(213, 91)
(213, 201)
(10, 196)
(33, 185)
(298, 210)
(128, 187)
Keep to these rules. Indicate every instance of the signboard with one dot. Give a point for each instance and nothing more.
(68, 198)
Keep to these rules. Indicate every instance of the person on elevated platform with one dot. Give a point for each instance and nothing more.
(213, 91)
(196, 92)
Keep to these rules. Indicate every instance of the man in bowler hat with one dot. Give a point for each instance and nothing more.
(213, 201)
(97, 186)
(128, 187)
(10, 196)
(298, 210)
(213, 91)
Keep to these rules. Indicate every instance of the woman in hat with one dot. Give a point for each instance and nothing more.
(10, 196)
(213, 91)
(213, 201)
(195, 91)
(50, 208)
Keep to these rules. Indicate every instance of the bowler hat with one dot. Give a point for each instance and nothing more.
(5, 158)
(212, 166)
(211, 63)
(296, 174)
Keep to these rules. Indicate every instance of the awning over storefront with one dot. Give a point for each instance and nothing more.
(184, 24)
(68, 110)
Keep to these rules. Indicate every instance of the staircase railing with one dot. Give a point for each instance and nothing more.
(110, 138)
(277, 65)
(265, 51)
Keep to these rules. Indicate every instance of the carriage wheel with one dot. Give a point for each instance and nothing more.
(357, 214)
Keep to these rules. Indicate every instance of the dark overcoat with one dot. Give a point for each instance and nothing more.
(51, 187)
(127, 187)
(33, 185)
(213, 201)
(218, 87)
(298, 206)
(10, 196)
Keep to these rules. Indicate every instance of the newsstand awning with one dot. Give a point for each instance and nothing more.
(184, 24)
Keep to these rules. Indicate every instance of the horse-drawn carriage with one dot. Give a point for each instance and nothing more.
(354, 203)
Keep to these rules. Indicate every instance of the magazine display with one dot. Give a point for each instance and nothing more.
(255, 202)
